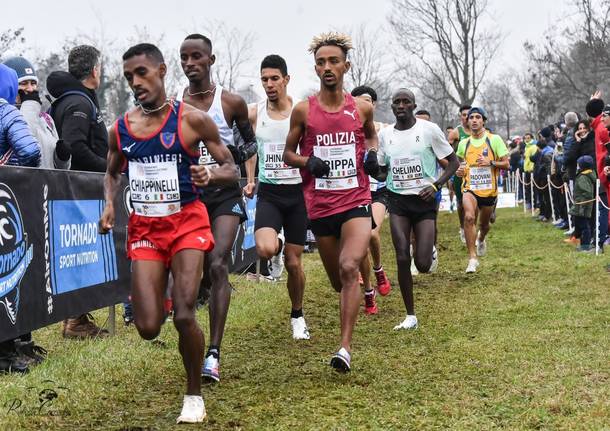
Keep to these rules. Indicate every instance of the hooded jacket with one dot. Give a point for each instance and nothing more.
(17, 145)
(586, 147)
(86, 137)
(584, 193)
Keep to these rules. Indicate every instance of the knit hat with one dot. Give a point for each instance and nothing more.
(546, 132)
(25, 70)
(477, 110)
(585, 162)
(594, 107)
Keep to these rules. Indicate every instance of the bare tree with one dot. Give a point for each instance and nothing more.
(499, 99)
(10, 39)
(449, 34)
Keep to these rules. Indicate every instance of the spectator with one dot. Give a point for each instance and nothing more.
(80, 125)
(17, 148)
(571, 120)
(542, 168)
(53, 152)
(584, 145)
(528, 167)
(584, 199)
(594, 108)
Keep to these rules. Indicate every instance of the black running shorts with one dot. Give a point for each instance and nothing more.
(221, 201)
(411, 206)
(331, 225)
(483, 202)
(380, 196)
(282, 206)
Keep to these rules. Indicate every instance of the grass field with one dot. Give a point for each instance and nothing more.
(523, 344)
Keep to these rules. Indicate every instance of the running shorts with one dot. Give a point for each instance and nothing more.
(411, 206)
(484, 202)
(380, 196)
(282, 205)
(332, 224)
(160, 238)
(225, 201)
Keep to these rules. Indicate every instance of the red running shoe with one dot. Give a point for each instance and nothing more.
(383, 284)
(370, 303)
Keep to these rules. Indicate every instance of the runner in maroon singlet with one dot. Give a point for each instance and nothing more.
(337, 151)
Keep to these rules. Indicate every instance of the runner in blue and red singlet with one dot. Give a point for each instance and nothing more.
(156, 144)
(337, 146)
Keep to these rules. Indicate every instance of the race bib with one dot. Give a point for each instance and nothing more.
(407, 173)
(342, 162)
(205, 158)
(154, 188)
(275, 168)
(374, 184)
(481, 178)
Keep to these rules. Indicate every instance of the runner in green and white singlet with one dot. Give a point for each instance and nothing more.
(455, 184)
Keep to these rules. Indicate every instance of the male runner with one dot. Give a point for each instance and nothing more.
(379, 199)
(483, 155)
(280, 202)
(157, 143)
(224, 203)
(408, 153)
(460, 132)
(337, 142)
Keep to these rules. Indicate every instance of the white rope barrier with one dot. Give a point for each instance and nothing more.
(567, 190)
(523, 188)
(548, 182)
(597, 217)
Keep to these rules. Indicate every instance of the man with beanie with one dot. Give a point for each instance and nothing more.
(595, 109)
(584, 200)
(53, 151)
(81, 127)
(17, 148)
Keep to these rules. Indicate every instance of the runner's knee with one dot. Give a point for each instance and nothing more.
(292, 264)
(348, 269)
(469, 218)
(183, 317)
(148, 329)
(218, 271)
(266, 251)
(423, 263)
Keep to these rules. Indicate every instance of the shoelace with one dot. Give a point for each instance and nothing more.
(369, 300)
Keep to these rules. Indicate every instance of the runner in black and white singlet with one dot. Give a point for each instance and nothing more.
(156, 144)
(225, 204)
(280, 204)
(408, 153)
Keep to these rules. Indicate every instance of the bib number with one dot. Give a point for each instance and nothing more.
(407, 173)
(205, 158)
(275, 168)
(481, 178)
(155, 189)
(342, 162)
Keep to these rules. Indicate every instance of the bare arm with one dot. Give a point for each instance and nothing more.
(114, 162)
(297, 128)
(202, 128)
(241, 118)
(250, 164)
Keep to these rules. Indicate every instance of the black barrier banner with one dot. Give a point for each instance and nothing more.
(53, 262)
(243, 253)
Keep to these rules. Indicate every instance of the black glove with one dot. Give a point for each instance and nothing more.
(62, 150)
(371, 165)
(317, 167)
(238, 154)
(34, 95)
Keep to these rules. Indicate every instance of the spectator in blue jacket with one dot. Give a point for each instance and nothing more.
(17, 145)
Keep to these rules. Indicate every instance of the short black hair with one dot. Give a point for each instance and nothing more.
(274, 61)
(197, 36)
(147, 49)
(82, 59)
(364, 89)
(423, 112)
(463, 107)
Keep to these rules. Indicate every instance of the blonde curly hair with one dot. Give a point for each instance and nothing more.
(331, 38)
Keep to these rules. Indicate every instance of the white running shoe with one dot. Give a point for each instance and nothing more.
(462, 236)
(299, 328)
(414, 270)
(410, 322)
(434, 265)
(276, 263)
(473, 264)
(481, 247)
(193, 410)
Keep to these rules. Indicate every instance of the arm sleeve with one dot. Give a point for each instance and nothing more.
(382, 147)
(440, 145)
(75, 133)
(25, 146)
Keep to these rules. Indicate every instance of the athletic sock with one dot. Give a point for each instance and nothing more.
(378, 269)
(295, 314)
(214, 351)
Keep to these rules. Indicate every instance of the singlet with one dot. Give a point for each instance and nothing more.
(338, 139)
(481, 180)
(271, 140)
(377, 186)
(411, 156)
(462, 132)
(226, 132)
(158, 166)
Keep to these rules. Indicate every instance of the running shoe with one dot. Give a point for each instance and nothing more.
(299, 328)
(473, 264)
(383, 284)
(481, 247)
(276, 263)
(558, 222)
(434, 265)
(341, 361)
(410, 322)
(211, 368)
(462, 236)
(370, 303)
(193, 410)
